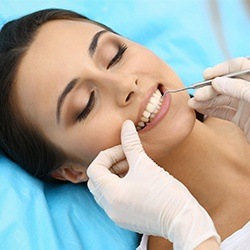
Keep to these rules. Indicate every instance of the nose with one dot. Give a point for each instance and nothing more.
(122, 88)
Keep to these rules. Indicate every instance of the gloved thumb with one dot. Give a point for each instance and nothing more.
(105, 160)
(204, 94)
(131, 142)
(239, 89)
(101, 181)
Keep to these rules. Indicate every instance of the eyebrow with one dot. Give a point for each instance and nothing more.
(63, 95)
(94, 41)
(70, 86)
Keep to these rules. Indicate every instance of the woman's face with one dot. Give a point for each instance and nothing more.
(78, 83)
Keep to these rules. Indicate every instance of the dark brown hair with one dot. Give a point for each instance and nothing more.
(20, 140)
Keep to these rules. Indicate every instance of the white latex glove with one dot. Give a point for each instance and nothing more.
(148, 199)
(227, 98)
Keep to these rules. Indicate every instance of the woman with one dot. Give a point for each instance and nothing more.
(227, 99)
(64, 99)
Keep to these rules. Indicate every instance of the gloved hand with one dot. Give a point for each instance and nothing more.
(148, 199)
(227, 98)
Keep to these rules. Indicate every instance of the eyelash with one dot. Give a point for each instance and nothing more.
(90, 105)
(121, 49)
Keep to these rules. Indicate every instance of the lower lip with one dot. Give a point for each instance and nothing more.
(160, 115)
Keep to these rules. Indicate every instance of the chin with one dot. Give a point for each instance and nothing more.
(170, 134)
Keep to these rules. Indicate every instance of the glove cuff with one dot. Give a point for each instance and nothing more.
(191, 227)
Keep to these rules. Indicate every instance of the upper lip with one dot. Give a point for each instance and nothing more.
(145, 101)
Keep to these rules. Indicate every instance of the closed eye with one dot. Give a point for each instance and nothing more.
(90, 105)
(121, 49)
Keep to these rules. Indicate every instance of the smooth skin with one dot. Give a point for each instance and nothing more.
(211, 159)
(50, 64)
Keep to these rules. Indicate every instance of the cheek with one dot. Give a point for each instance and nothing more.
(106, 137)
(98, 138)
(143, 60)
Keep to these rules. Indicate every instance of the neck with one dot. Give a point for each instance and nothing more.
(213, 163)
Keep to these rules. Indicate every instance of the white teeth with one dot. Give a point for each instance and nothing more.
(157, 94)
(155, 111)
(154, 100)
(141, 124)
(144, 119)
(146, 113)
(152, 117)
(151, 109)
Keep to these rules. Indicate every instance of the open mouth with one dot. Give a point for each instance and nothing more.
(151, 109)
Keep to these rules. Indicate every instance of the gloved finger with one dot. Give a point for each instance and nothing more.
(120, 168)
(218, 101)
(131, 142)
(105, 160)
(241, 117)
(100, 177)
(237, 88)
(102, 186)
(205, 93)
(225, 113)
(229, 66)
(101, 190)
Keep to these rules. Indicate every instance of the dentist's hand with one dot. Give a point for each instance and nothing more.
(227, 98)
(148, 199)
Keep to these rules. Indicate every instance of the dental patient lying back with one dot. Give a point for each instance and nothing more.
(69, 83)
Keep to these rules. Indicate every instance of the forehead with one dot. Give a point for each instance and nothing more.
(55, 35)
(55, 57)
(56, 40)
(56, 44)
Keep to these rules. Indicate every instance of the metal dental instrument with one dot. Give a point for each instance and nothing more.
(208, 82)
